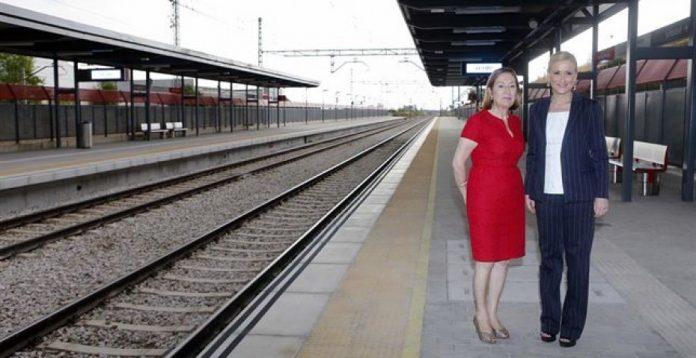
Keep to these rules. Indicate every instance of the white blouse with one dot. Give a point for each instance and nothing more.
(556, 123)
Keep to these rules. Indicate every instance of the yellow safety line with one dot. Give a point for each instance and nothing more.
(412, 341)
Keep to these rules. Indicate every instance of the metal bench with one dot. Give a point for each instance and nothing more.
(174, 127)
(649, 160)
(154, 128)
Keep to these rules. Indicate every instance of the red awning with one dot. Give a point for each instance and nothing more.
(679, 70)
(654, 71)
(604, 76)
(620, 79)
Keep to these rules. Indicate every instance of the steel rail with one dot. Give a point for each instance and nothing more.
(53, 212)
(281, 272)
(42, 326)
(30, 244)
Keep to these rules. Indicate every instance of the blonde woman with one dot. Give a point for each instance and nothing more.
(566, 186)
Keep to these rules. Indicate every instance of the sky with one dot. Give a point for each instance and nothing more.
(229, 29)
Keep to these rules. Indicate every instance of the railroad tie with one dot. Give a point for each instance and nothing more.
(252, 251)
(284, 234)
(219, 269)
(202, 309)
(153, 291)
(232, 259)
(203, 280)
(128, 352)
(137, 327)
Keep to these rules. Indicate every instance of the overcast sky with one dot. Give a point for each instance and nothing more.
(230, 29)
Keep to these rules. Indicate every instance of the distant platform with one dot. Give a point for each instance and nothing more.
(30, 180)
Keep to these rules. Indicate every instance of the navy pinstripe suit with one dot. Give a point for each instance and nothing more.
(566, 222)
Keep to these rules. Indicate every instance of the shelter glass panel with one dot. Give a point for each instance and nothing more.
(674, 124)
(620, 114)
(653, 115)
(610, 123)
(640, 116)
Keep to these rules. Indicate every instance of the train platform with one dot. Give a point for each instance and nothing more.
(395, 280)
(32, 179)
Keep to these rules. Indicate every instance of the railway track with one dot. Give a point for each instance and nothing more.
(175, 303)
(25, 233)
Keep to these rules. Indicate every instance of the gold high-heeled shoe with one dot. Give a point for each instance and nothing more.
(485, 337)
(501, 332)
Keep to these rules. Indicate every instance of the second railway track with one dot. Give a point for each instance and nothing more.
(27, 232)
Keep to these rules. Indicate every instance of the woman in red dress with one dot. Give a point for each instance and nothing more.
(494, 196)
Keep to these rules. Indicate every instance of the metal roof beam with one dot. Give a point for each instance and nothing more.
(468, 23)
(447, 35)
(655, 53)
(434, 4)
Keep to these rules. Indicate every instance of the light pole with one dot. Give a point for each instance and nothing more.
(323, 92)
(336, 107)
(349, 115)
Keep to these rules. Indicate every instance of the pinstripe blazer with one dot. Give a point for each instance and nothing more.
(583, 151)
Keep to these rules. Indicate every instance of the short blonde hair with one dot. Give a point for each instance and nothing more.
(562, 56)
(488, 97)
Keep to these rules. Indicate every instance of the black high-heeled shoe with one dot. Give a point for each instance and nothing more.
(566, 342)
(546, 337)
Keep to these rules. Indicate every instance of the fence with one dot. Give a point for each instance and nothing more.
(29, 115)
(659, 118)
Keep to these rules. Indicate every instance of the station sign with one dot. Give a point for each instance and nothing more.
(479, 68)
(101, 74)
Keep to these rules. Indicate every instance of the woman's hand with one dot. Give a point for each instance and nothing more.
(531, 205)
(462, 190)
(601, 207)
(461, 155)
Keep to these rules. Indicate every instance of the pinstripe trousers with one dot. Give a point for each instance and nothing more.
(565, 229)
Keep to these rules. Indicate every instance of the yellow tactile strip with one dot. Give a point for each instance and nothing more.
(377, 311)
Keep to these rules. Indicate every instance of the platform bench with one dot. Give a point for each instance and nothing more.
(154, 128)
(649, 161)
(174, 127)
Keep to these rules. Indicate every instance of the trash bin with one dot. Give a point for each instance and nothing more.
(84, 139)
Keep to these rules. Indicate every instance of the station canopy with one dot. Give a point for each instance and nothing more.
(455, 37)
(31, 33)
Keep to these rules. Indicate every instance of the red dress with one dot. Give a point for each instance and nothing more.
(495, 195)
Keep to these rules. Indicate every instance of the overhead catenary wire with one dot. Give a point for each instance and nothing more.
(64, 3)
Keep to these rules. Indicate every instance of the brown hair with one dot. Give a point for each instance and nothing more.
(488, 97)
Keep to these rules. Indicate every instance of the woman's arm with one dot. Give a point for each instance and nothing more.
(461, 155)
(598, 150)
(529, 176)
